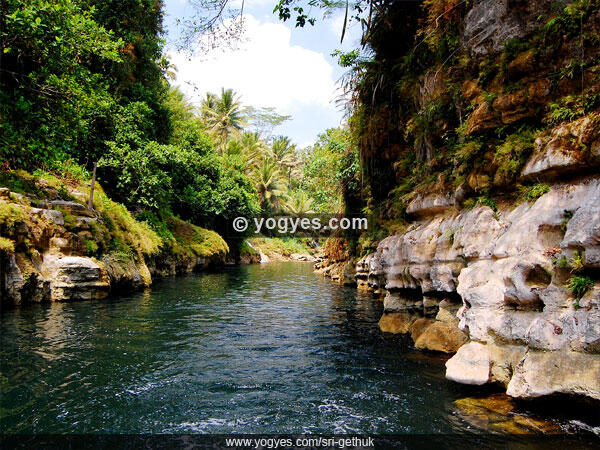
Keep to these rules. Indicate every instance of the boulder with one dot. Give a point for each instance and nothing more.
(470, 365)
(545, 373)
(397, 323)
(441, 337)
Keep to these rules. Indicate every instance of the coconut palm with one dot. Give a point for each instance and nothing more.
(269, 184)
(284, 152)
(298, 204)
(254, 148)
(224, 115)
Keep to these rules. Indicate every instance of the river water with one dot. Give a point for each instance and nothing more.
(257, 349)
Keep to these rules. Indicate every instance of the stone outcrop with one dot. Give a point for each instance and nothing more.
(491, 23)
(492, 287)
(50, 260)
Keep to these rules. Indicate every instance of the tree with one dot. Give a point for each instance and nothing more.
(284, 153)
(52, 86)
(269, 184)
(224, 115)
(298, 203)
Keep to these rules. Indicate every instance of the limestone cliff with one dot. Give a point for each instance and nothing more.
(494, 252)
(53, 248)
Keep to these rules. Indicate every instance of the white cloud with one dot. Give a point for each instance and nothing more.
(266, 70)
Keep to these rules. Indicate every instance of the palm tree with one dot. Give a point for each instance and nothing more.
(269, 184)
(298, 204)
(224, 115)
(254, 148)
(284, 152)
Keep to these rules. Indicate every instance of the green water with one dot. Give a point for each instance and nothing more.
(263, 348)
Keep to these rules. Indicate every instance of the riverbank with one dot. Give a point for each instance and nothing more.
(54, 248)
(500, 288)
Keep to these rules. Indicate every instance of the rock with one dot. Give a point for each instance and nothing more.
(430, 205)
(55, 216)
(563, 150)
(75, 278)
(484, 118)
(418, 327)
(127, 275)
(470, 365)
(348, 277)
(470, 90)
(545, 373)
(74, 208)
(441, 337)
(397, 323)
(301, 257)
(502, 268)
(523, 63)
(4, 192)
(491, 23)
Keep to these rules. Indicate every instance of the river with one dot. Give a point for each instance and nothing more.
(257, 349)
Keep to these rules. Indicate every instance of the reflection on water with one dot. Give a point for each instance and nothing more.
(265, 348)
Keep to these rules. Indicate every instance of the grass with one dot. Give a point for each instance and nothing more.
(195, 240)
(127, 232)
(283, 246)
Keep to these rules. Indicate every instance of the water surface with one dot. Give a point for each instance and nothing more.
(263, 348)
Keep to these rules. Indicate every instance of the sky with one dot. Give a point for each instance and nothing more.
(276, 65)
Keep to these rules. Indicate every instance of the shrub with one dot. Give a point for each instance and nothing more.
(512, 154)
(532, 193)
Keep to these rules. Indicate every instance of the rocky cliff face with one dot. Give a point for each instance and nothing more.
(498, 260)
(54, 249)
(498, 280)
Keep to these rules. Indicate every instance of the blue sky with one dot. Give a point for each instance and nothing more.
(277, 65)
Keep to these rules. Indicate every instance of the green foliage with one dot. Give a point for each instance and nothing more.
(6, 245)
(331, 168)
(512, 154)
(91, 247)
(532, 193)
(283, 246)
(571, 107)
(482, 200)
(51, 88)
(579, 285)
(577, 261)
(346, 59)
(10, 214)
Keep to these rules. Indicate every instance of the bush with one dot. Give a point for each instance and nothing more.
(512, 154)
(531, 194)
